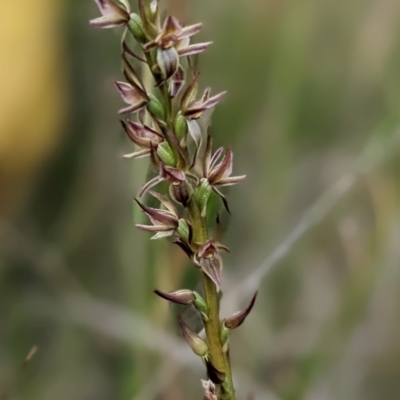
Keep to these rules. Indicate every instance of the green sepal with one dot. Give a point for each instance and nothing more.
(225, 334)
(200, 305)
(202, 194)
(180, 128)
(136, 28)
(155, 108)
(166, 154)
(183, 229)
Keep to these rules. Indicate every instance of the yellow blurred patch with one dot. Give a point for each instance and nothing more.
(32, 95)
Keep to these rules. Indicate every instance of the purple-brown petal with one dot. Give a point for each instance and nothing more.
(159, 216)
(129, 51)
(132, 96)
(190, 93)
(216, 157)
(207, 250)
(154, 228)
(190, 30)
(223, 198)
(193, 49)
(183, 296)
(150, 184)
(213, 101)
(232, 180)
(223, 169)
(172, 175)
(238, 318)
(213, 268)
(177, 82)
(207, 156)
(165, 202)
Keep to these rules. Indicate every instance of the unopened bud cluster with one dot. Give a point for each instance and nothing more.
(164, 126)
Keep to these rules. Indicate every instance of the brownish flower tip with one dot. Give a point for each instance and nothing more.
(183, 296)
(165, 222)
(238, 318)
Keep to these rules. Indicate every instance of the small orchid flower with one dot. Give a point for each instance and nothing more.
(143, 136)
(164, 221)
(113, 14)
(219, 174)
(172, 42)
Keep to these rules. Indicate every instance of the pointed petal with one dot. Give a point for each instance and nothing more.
(137, 154)
(162, 235)
(213, 268)
(207, 156)
(216, 157)
(102, 22)
(238, 318)
(172, 175)
(131, 94)
(165, 202)
(158, 216)
(213, 101)
(129, 51)
(193, 49)
(183, 296)
(150, 184)
(190, 30)
(190, 93)
(223, 169)
(223, 198)
(153, 228)
(233, 180)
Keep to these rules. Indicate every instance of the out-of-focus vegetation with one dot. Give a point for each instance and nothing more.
(313, 116)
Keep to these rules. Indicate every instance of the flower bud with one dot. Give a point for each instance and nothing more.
(136, 27)
(181, 193)
(180, 128)
(202, 194)
(183, 296)
(168, 61)
(198, 345)
(166, 154)
(238, 318)
(155, 108)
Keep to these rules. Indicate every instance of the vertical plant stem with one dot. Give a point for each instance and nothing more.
(213, 325)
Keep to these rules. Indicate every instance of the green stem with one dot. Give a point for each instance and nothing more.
(212, 326)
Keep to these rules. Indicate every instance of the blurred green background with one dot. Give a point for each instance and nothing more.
(312, 114)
